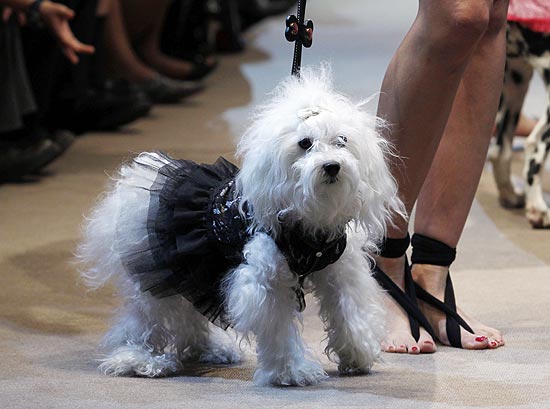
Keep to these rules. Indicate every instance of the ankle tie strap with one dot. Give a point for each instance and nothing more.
(394, 248)
(431, 251)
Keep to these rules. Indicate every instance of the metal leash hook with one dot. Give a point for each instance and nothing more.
(301, 33)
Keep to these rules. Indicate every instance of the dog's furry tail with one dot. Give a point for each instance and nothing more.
(117, 223)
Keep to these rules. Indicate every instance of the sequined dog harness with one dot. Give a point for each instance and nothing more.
(304, 254)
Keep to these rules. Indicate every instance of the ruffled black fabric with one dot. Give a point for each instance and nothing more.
(191, 206)
(195, 235)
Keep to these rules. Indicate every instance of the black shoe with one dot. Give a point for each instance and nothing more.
(61, 139)
(127, 89)
(18, 161)
(164, 90)
(201, 68)
(103, 108)
(227, 41)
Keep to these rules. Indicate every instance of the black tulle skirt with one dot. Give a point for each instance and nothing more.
(184, 252)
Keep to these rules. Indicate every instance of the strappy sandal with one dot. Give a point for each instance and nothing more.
(430, 251)
(395, 248)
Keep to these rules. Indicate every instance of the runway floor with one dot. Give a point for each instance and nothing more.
(50, 325)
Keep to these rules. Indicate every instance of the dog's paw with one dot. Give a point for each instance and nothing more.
(511, 200)
(298, 374)
(539, 219)
(214, 353)
(220, 354)
(352, 369)
(133, 360)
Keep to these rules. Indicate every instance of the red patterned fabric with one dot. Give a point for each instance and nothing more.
(534, 14)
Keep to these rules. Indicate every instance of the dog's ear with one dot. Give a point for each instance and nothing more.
(378, 191)
(265, 173)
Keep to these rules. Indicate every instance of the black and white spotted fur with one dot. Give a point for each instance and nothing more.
(526, 51)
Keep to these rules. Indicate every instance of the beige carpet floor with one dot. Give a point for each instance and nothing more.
(50, 325)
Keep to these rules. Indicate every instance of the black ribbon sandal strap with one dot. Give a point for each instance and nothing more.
(410, 291)
(430, 251)
(394, 248)
(416, 318)
(453, 330)
(448, 307)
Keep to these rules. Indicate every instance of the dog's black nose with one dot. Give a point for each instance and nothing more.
(331, 168)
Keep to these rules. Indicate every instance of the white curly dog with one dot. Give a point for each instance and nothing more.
(313, 173)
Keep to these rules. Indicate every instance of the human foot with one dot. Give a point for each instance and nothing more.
(433, 279)
(177, 68)
(399, 338)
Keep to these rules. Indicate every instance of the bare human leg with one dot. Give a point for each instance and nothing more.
(144, 19)
(447, 194)
(416, 99)
(121, 59)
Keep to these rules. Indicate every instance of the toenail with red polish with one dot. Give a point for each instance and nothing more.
(414, 349)
(481, 339)
(493, 343)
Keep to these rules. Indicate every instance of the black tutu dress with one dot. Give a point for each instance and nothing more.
(195, 234)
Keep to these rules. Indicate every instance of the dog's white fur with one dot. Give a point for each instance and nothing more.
(282, 181)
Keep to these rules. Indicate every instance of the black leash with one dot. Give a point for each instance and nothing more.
(301, 33)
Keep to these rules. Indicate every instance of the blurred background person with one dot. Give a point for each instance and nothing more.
(25, 145)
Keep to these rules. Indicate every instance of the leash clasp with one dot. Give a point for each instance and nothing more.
(299, 31)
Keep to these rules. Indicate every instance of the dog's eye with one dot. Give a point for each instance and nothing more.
(305, 143)
(341, 142)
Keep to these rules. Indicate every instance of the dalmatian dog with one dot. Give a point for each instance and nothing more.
(527, 51)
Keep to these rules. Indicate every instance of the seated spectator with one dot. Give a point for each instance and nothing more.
(25, 146)
(120, 59)
(70, 66)
(144, 23)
